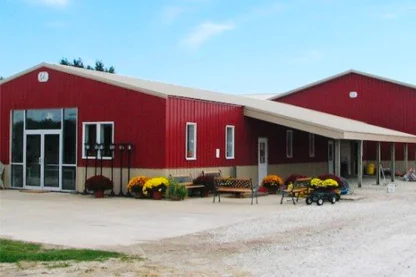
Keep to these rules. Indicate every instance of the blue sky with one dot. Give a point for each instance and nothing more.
(234, 46)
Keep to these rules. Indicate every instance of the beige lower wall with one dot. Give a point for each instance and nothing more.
(284, 170)
(226, 171)
(6, 176)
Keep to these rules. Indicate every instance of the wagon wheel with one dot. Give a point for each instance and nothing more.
(332, 198)
(320, 201)
(308, 200)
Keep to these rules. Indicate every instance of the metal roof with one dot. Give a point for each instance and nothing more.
(293, 91)
(275, 112)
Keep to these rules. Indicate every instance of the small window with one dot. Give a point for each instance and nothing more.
(190, 141)
(98, 133)
(229, 142)
(311, 145)
(289, 143)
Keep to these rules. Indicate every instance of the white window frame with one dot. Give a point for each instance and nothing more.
(98, 136)
(226, 142)
(311, 145)
(289, 144)
(186, 141)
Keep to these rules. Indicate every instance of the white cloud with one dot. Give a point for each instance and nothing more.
(51, 3)
(205, 31)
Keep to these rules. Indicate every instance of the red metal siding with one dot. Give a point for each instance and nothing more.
(211, 119)
(138, 118)
(379, 103)
(276, 135)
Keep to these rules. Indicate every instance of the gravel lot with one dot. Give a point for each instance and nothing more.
(374, 236)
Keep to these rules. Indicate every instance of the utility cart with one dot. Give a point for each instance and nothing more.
(320, 195)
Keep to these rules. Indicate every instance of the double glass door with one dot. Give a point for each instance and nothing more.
(43, 161)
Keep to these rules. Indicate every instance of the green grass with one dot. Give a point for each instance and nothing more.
(12, 251)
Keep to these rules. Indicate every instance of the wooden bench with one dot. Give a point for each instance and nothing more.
(300, 186)
(187, 181)
(234, 185)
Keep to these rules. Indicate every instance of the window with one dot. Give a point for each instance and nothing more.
(229, 142)
(97, 133)
(311, 145)
(289, 143)
(190, 141)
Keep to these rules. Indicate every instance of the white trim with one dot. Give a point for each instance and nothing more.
(186, 141)
(289, 146)
(311, 140)
(233, 142)
(98, 125)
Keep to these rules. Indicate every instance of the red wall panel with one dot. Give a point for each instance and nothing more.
(138, 118)
(211, 119)
(379, 103)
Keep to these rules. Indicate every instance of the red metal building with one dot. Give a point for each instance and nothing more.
(61, 124)
(364, 97)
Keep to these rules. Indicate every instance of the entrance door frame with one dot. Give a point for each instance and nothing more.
(266, 163)
(42, 134)
(331, 163)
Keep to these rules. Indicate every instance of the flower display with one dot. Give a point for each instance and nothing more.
(329, 183)
(272, 180)
(316, 182)
(155, 184)
(136, 183)
(326, 183)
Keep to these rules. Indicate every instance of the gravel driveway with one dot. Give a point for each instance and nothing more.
(375, 236)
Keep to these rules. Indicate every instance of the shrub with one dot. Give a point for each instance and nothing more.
(98, 182)
(176, 190)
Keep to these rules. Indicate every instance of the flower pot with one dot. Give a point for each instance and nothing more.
(99, 194)
(157, 195)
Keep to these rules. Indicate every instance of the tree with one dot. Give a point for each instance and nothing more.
(1, 77)
(99, 65)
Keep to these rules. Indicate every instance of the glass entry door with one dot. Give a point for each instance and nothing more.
(43, 165)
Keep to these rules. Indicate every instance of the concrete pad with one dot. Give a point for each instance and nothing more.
(83, 221)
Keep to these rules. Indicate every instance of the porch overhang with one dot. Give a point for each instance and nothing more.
(355, 130)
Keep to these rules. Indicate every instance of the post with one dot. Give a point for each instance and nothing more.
(96, 158)
(101, 147)
(129, 149)
(338, 157)
(378, 162)
(112, 147)
(393, 161)
(121, 148)
(87, 148)
(360, 163)
(406, 157)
